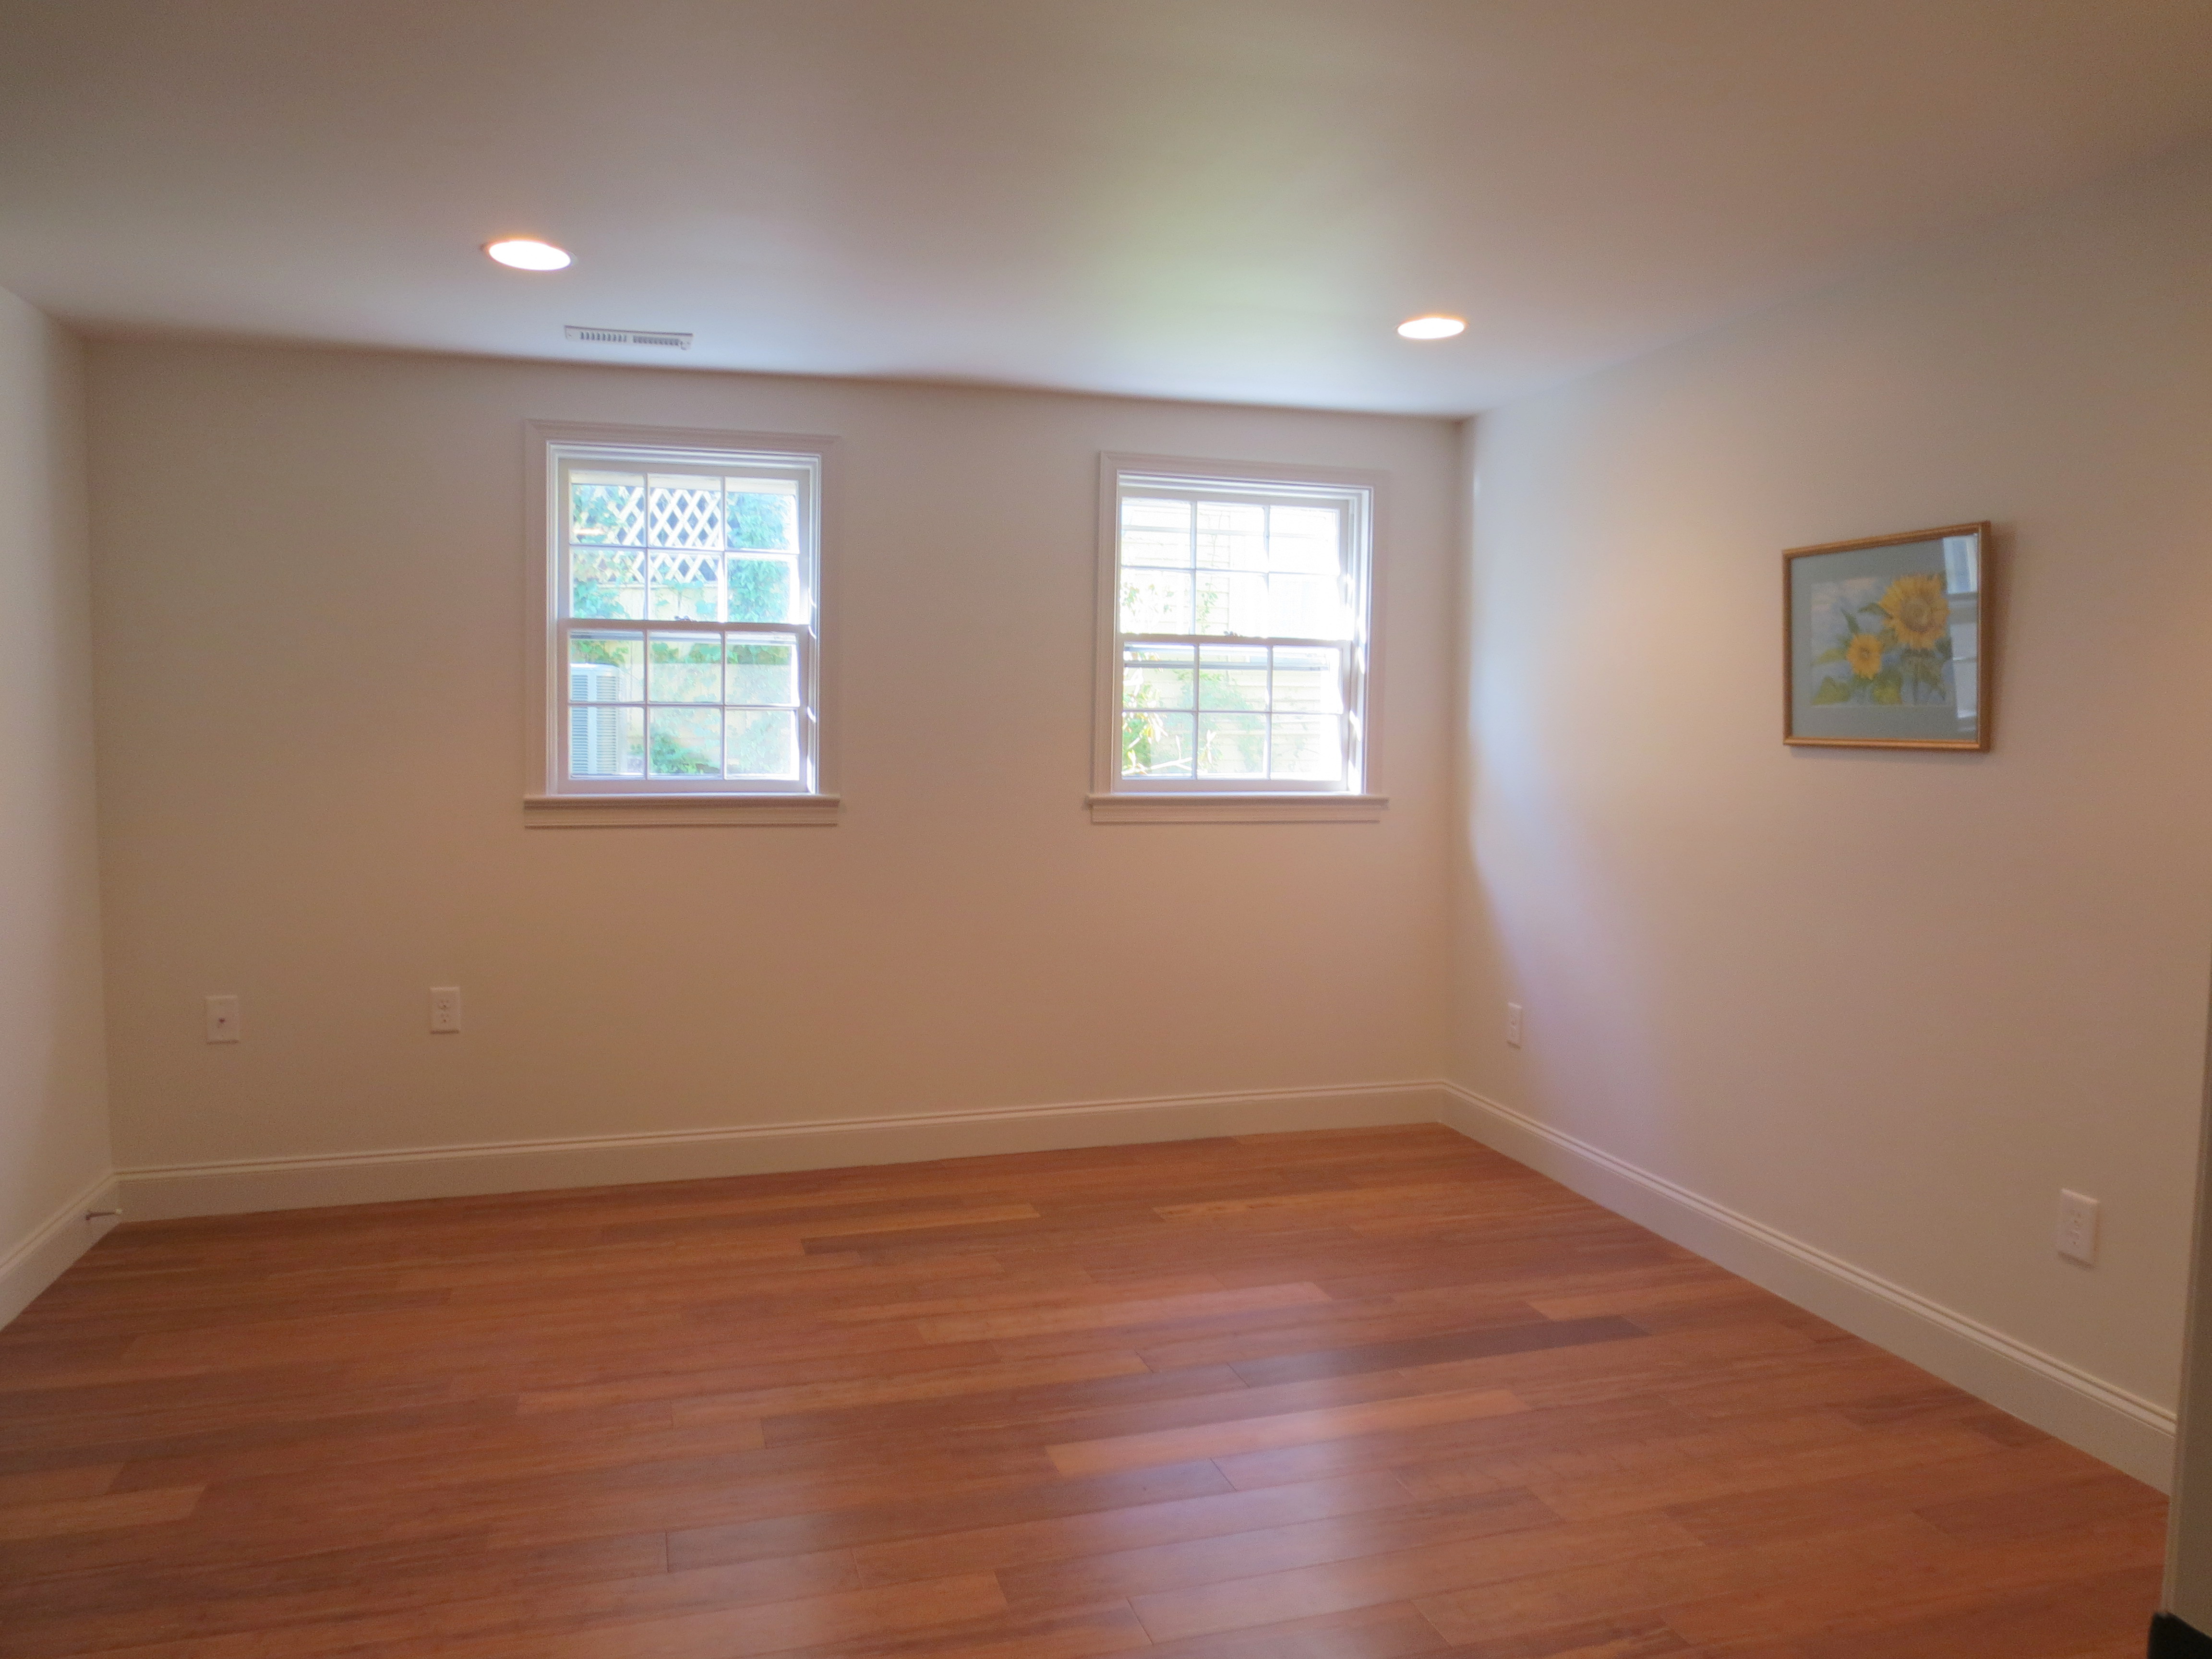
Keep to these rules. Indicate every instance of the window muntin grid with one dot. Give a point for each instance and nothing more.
(686, 625)
(1239, 648)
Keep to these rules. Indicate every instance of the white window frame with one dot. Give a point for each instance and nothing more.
(554, 800)
(1116, 799)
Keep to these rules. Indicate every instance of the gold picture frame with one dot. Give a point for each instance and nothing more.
(1885, 641)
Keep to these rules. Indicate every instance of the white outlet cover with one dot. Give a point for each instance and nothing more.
(445, 1008)
(2077, 1227)
(223, 1019)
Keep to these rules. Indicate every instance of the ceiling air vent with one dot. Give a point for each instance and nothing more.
(630, 337)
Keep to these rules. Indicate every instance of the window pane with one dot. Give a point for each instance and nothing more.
(1307, 607)
(686, 668)
(1232, 602)
(1309, 746)
(762, 671)
(687, 586)
(763, 744)
(607, 507)
(1155, 531)
(1232, 676)
(1243, 573)
(606, 668)
(1232, 745)
(1156, 602)
(606, 742)
(1231, 536)
(687, 742)
(762, 515)
(761, 590)
(605, 582)
(686, 513)
(1156, 745)
(1304, 538)
(1308, 678)
(685, 598)
(1156, 676)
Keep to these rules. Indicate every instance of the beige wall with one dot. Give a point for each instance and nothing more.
(1886, 1003)
(53, 1116)
(309, 602)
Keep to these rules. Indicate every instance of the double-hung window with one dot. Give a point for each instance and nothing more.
(683, 625)
(1235, 649)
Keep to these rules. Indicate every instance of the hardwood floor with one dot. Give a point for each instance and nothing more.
(1338, 1396)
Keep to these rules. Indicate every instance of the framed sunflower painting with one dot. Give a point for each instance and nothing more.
(1883, 645)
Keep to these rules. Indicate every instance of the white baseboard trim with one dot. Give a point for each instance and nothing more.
(161, 1193)
(46, 1254)
(2107, 1422)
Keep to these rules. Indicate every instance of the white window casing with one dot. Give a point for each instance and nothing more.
(1236, 650)
(676, 634)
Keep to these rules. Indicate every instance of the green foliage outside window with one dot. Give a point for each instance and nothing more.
(762, 521)
(582, 648)
(672, 758)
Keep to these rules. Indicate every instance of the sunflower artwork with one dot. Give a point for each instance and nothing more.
(1892, 643)
(1883, 641)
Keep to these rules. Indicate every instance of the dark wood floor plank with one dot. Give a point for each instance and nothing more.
(1431, 1350)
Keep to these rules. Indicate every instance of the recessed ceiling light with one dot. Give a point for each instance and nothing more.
(527, 254)
(1431, 328)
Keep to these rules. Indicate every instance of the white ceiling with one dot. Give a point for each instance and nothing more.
(1194, 198)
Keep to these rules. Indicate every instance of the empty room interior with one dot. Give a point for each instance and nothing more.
(1020, 828)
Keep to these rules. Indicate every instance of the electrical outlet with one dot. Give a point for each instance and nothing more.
(444, 1007)
(223, 1019)
(1513, 1024)
(2077, 1227)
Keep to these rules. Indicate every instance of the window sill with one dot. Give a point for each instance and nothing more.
(1229, 808)
(647, 812)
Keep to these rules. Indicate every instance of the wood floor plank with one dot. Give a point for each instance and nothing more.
(1432, 1350)
(1251, 1434)
(2083, 1498)
(1392, 1630)
(2002, 1477)
(2085, 1618)
(105, 1513)
(1000, 1296)
(1601, 1550)
(704, 1372)
(52, 1485)
(1253, 1551)
(1659, 1579)
(1816, 1586)
(1078, 1635)
(750, 1624)
(1470, 1444)
(1115, 1407)
(1103, 1532)
(1344, 1394)
(846, 1393)
(1113, 1315)
(1694, 1478)
(88, 1612)
(918, 1517)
